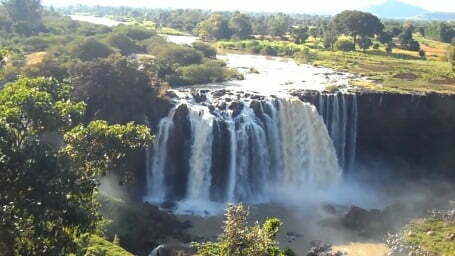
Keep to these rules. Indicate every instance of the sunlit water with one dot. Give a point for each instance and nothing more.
(96, 20)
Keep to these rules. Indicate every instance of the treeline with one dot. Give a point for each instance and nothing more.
(240, 25)
(52, 45)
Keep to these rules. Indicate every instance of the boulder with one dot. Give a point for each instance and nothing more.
(173, 250)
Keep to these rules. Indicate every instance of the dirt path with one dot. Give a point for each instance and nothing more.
(363, 249)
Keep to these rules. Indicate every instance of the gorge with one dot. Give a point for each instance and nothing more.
(263, 138)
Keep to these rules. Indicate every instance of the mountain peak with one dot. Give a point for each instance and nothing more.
(396, 9)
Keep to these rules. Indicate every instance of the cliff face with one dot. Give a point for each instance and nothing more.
(406, 135)
(402, 136)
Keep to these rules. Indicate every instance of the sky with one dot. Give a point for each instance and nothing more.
(294, 6)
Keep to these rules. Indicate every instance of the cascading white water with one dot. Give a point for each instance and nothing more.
(156, 160)
(199, 178)
(340, 115)
(308, 153)
(269, 144)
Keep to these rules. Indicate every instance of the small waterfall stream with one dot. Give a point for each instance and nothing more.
(222, 150)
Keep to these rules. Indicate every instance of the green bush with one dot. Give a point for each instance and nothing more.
(239, 239)
(344, 45)
(177, 55)
(90, 49)
(134, 32)
(207, 50)
(452, 57)
(268, 50)
(123, 43)
(209, 72)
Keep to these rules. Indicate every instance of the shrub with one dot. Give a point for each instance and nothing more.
(344, 45)
(207, 50)
(375, 46)
(239, 239)
(123, 43)
(90, 49)
(178, 55)
(305, 56)
(451, 57)
(268, 50)
(134, 32)
(365, 43)
(210, 72)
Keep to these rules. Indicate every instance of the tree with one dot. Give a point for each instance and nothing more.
(215, 27)
(385, 38)
(25, 12)
(330, 37)
(299, 34)
(279, 24)
(50, 165)
(115, 89)
(356, 23)
(452, 56)
(240, 26)
(407, 42)
(90, 49)
(365, 43)
(239, 239)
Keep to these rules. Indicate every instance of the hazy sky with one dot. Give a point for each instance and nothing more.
(307, 6)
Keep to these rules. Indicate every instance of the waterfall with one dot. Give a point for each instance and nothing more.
(199, 179)
(156, 163)
(250, 150)
(340, 116)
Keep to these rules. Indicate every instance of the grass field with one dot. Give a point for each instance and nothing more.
(401, 71)
(433, 236)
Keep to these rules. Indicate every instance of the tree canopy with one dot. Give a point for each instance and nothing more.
(49, 166)
(25, 14)
(240, 26)
(357, 23)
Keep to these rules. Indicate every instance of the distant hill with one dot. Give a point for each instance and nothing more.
(437, 16)
(394, 9)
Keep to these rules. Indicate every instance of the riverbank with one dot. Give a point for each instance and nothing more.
(401, 71)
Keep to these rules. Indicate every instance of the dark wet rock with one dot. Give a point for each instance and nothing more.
(321, 248)
(219, 93)
(171, 94)
(168, 205)
(199, 97)
(222, 106)
(330, 209)
(173, 250)
(257, 97)
(236, 107)
(211, 108)
(357, 218)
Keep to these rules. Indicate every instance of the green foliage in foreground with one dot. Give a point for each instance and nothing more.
(99, 246)
(140, 227)
(433, 236)
(49, 167)
(452, 56)
(239, 239)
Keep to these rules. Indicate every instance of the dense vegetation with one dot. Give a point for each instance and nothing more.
(240, 239)
(50, 166)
